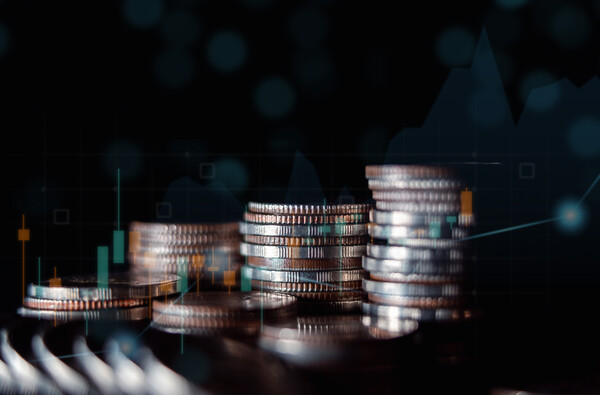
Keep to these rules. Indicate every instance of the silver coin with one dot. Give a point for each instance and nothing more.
(410, 253)
(162, 249)
(308, 209)
(408, 171)
(410, 219)
(411, 313)
(418, 195)
(302, 276)
(443, 231)
(247, 228)
(328, 252)
(329, 340)
(332, 290)
(412, 290)
(227, 305)
(209, 239)
(416, 301)
(431, 183)
(125, 314)
(194, 262)
(426, 243)
(178, 229)
(119, 286)
(330, 307)
(414, 278)
(435, 208)
(414, 267)
(304, 264)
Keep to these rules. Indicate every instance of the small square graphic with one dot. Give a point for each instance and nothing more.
(526, 170)
(61, 216)
(229, 277)
(207, 171)
(23, 235)
(163, 210)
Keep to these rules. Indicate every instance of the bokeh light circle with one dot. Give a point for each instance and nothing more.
(126, 156)
(539, 90)
(572, 217)
(226, 51)
(4, 39)
(174, 68)
(274, 97)
(584, 137)
(232, 173)
(570, 27)
(143, 13)
(309, 26)
(455, 47)
(180, 29)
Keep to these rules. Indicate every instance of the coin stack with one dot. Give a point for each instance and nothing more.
(123, 296)
(206, 256)
(312, 252)
(234, 313)
(416, 259)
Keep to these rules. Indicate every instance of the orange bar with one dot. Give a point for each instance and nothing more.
(466, 202)
(229, 277)
(134, 241)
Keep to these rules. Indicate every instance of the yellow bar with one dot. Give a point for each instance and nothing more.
(466, 202)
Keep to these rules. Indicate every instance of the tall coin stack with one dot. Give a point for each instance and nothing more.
(312, 252)
(416, 259)
(206, 256)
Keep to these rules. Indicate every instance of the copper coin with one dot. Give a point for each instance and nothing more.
(76, 305)
(304, 264)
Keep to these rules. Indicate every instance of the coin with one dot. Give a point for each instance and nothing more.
(412, 289)
(403, 253)
(307, 287)
(416, 195)
(74, 305)
(330, 340)
(305, 241)
(305, 219)
(424, 183)
(441, 244)
(126, 314)
(227, 305)
(304, 264)
(436, 208)
(156, 227)
(312, 296)
(304, 276)
(329, 252)
(221, 248)
(418, 302)
(330, 307)
(119, 286)
(192, 261)
(303, 230)
(413, 278)
(416, 267)
(407, 171)
(413, 231)
(188, 239)
(418, 314)
(308, 209)
(410, 219)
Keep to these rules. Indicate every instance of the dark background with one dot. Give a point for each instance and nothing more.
(85, 89)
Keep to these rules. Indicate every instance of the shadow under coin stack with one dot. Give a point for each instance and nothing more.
(240, 314)
(312, 252)
(122, 296)
(206, 255)
(416, 261)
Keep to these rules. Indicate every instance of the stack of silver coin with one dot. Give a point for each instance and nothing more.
(312, 252)
(123, 296)
(219, 313)
(416, 260)
(206, 255)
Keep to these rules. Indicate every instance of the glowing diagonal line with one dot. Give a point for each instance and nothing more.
(589, 190)
(495, 232)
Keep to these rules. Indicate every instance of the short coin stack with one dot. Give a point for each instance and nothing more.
(121, 296)
(220, 313)
(312, 252)
(416, 260)
(203, 254)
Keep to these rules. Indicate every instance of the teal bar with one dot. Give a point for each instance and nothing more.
(435, 230)
(182, 271)
(118, 246)
(102, 267)
(245, 279)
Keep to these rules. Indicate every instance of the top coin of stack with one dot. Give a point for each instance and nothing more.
(199, 252)
(121, 296)
(416, 261)
(309, 251)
